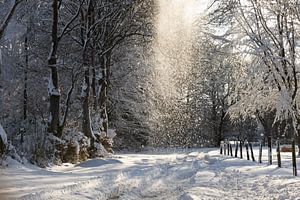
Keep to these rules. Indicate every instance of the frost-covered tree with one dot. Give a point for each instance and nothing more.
(79, 41)
(212, 82)
(268, 32)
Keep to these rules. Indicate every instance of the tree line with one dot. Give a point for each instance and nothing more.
(56, 69)
(73, 71)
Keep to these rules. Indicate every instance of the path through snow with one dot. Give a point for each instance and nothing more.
(201, 174)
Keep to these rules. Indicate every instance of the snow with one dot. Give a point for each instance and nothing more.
(52, 90)
(98, 162)
(183, 174)
(111, 133)
(51, 51)
(3, 135)
(83, 89)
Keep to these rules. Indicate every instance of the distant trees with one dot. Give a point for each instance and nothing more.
(212, 83)
(267, 35)
(189, 92)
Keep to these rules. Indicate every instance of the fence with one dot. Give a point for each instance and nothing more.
(227, 149)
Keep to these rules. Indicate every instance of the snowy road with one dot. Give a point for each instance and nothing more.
(202, 174)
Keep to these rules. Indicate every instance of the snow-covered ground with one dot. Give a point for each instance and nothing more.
(186, 175)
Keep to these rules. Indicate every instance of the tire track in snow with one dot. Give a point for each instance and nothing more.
(121, 185)
(183, 177)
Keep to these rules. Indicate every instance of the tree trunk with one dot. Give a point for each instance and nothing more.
(278, 154)
(103, 93)
(260, 152)
(267, 124)
(241, 149)
(94, 80)
(25, 96)
(54, 101)
(220, 128)
(25, 99)
(53, 86)
(1, 84)
(68, 101)
(251, 150)
(221, 148)
(269, 139)
(247, 150)
(236, 148)
(298, 143)
(86, 124)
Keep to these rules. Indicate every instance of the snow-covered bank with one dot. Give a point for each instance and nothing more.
(201, 174)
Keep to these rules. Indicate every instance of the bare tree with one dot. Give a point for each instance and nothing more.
(8, 17)
(53, 86)
(269, 34)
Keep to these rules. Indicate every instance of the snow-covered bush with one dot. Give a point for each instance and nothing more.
(99, 150)
(106, 139)
(13, 153)
(7, 150)
(76, 147)
(31, 140)
(48, 151)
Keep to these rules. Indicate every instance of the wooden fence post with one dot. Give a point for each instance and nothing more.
(278, 153)
(260, 152)
(251, 149)
(247, 151)
(294, 158)
(241, 149)
(221, 148)
(228, 148)
(236, 148)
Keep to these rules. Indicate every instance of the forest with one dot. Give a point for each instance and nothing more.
(82, 78)
(106, 84)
